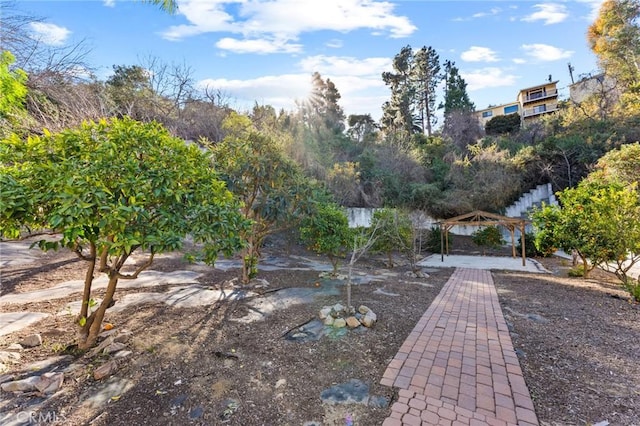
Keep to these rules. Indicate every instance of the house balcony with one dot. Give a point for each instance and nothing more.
(539, 110)
(536, 97)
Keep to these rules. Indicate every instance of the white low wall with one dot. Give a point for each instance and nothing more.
(361, 216)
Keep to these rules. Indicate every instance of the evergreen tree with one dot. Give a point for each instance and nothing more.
(398, 112)
(456, 97)
(322, 109)
(426, 77)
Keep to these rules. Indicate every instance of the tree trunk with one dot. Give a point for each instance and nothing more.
(249, 260)
(88, 282)
(93, 325)
(585, 266)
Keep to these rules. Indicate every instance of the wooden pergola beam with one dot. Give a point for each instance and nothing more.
(482, 218)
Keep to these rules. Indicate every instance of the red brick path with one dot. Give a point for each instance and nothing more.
(458, 365)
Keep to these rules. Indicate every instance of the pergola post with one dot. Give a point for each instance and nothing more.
(513, 240)
(441, 242)
(524, 252)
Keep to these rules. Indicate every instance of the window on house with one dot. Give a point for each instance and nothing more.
(486, 114)
(540, 108)
(510, 109)
(535, 94)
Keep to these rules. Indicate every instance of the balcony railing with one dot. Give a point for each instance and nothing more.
(541, 95)
(541, 109)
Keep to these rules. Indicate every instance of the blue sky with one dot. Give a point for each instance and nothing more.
(265, 51)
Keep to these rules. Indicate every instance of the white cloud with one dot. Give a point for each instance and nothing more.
(545, 52)
(358, 81)
(287, 19)
(50, 34)
(491, 12)
(594, 7)
(519, 61)
(550, 13)
(334, 43)
(109, 3)
(264, 89)
(345, 66)
(261, 46)
(479, 54)
(488, 77)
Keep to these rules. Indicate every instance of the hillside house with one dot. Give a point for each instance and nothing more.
(531, 103)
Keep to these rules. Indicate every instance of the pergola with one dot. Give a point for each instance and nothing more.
(481, 218)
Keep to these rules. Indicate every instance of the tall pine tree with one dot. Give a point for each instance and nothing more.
(456, 97)
(426, 76)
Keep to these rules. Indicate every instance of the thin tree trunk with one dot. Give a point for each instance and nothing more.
(94, 322)
(88, 282)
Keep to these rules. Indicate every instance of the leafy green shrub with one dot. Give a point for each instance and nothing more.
(488, 237)
(530, 247)
(502, 124)
(433, 240)
(576, 272)
(633, 287)
(327, 232)
(394, 233)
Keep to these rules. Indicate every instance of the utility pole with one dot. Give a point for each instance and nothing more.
(571, 69)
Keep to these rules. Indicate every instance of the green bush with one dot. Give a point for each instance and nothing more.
(633, 287)
(503, 124)
(488, 237)
(576, 272)
(530, 247)
(433, 240)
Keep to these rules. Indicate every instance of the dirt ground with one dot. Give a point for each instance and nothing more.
(578, 342)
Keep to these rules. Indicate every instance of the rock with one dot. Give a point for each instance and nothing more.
(47, 364)
(363, 309)
(107, 333)
(196, 413)
(105, 370)
(339, 323)
(179, 400)
(114, 347)
(379, 401)
(106, 342)
(280, 383)
(101, 394)
(369, 319)
(260, 283)
(329, 320)
(3, 368)
(325, 312)
(337, 308)
(9, 357)
(123, 336)
(539, 319)
(31, 341)
(24, 385)
(49, 383)
(14, 347)
(122, 354)
(74, 368)
(352, 392)
(353, 322)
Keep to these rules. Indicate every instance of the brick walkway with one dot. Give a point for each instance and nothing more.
(458, 365)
